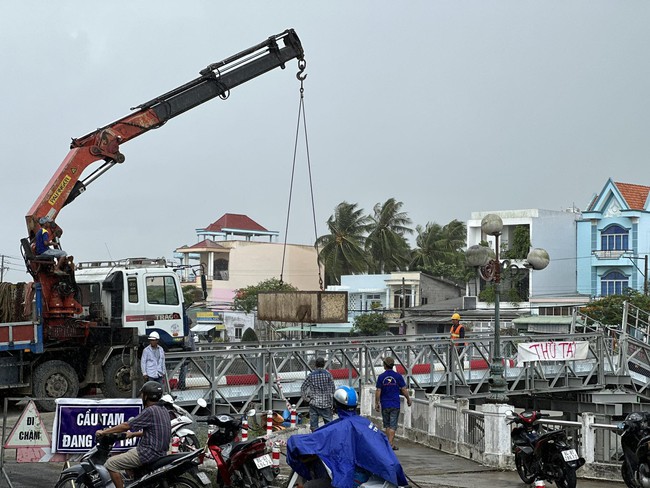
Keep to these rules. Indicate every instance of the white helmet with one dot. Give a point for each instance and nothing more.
(154, 335)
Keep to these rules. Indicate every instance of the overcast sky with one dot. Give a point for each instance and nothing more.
(450, 107)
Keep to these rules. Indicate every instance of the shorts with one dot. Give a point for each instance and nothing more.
(390, 417)
(124, 461)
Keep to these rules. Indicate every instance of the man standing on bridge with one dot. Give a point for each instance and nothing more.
(318, 391)
(389, 386)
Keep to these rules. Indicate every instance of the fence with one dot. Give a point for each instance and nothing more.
(484, 435)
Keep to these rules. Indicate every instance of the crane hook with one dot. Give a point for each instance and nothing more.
(302, 64)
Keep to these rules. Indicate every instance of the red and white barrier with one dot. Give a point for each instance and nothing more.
(539, 484)
(244, 430)
(269, 422)
(293, 415)
(275, 454)
(176, 443)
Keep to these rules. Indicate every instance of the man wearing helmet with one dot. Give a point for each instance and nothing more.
(151, 425)
(457, 331)
(352, 447)
(153, 360)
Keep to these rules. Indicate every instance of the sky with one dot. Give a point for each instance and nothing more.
(450, 107)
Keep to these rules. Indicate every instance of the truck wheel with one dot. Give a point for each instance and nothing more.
(117, 377)
(54, 379)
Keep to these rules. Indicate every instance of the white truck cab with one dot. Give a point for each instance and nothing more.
(136, 292)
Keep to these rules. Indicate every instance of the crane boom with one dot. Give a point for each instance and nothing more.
(216, 80)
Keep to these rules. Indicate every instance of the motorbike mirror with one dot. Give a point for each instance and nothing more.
(167, 398)
(251, 413)
(202, 403)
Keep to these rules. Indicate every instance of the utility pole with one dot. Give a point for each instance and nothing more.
(645, 276)
(2, 267)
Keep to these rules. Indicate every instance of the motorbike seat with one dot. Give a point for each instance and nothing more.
(559, 434)
(159, 463)
(239, 446)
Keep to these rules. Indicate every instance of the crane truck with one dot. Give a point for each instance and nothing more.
(59, 336)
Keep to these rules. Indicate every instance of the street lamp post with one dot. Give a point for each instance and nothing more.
(489, 267)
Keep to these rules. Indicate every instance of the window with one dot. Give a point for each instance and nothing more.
(132, 285)
(397, 297)
(90, 293)
(373, 301)
(613, 283)
(161, 290)
(614, 238)
(238, 332)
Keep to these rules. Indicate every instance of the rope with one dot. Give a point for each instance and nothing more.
(301, 111)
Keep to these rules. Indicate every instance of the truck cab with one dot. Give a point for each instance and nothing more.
(137, 292)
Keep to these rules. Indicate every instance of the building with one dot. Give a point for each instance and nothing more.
(235, 252)
(613, 240)
(551, 291)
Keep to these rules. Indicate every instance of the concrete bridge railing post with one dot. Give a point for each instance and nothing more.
(497, 435)
(588, 437)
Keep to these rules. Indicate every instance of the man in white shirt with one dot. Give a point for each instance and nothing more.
(153, 360)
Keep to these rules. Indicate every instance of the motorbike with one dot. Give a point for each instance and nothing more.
(546, 456)
(180, 420)
(239, 464)
(635, 435)
(173, 471)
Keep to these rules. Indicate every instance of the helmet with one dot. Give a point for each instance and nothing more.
(152, 390)
(345, 397)
(455, 317)
(154, 335)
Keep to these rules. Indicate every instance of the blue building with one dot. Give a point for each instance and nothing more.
(613, 240)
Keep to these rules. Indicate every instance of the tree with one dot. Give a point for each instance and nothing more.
(191, 294)
(520, 245)
(609, 310)
(439, 250)
(246, 298)
(386, 242)
(249, 335)
(342, 250)
(370, 324)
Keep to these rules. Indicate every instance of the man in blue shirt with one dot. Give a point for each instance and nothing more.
(151, 425)
(153, 360)
(45, 237)
(389, 386)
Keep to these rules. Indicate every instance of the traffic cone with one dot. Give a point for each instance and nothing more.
(269, 422)
(176, 442)
(275, 455)
(244, 430)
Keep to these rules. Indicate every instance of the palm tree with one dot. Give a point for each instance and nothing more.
(342, 250)
(440, 249)
(386, 242)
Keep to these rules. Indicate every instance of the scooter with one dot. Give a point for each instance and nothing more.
(180, 420)
(545, 457)
(174, 471)
(635, 435)
(239, 464)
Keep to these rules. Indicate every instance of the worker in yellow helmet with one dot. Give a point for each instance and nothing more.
(458, 332)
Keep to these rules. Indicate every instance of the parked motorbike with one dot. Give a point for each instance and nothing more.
(181, 419)
(635, 435)
(545, 456)
(174, 471)
(239, 464)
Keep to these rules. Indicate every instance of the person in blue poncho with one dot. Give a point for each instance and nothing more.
(352, 447)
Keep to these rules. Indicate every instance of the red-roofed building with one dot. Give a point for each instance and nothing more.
(613, 237)
(235, 252)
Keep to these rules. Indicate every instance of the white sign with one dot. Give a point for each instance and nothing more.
(551, 351)
(29, 431)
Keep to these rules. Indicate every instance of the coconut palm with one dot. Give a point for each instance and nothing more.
(439, 250)
(342, 250)
(386, 242)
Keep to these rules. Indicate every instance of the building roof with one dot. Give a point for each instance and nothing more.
(205, 244)
(235, 222)
(635, 195)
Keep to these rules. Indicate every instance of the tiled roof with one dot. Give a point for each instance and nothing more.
(235, 221)
(635, 195)
(205, 244)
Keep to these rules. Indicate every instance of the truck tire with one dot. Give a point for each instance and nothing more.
(117, 377)
(54, 379)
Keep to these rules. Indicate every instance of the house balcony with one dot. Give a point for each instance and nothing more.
(611, 254)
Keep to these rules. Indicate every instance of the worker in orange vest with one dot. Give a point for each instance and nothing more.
(458, 332)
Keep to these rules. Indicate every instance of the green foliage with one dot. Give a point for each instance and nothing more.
(370, 324)
(249, 335)
(609, 310)
(386, 242)
(440, 251)
(246, 298)
(191, 294)
(510, 295)
(520, 244)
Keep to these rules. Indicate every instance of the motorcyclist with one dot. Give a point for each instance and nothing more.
(352, 447)
(154, 428)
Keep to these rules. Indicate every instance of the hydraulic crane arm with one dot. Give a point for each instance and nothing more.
(216, 80)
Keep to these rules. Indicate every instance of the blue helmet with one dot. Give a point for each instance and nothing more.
(345, 397)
